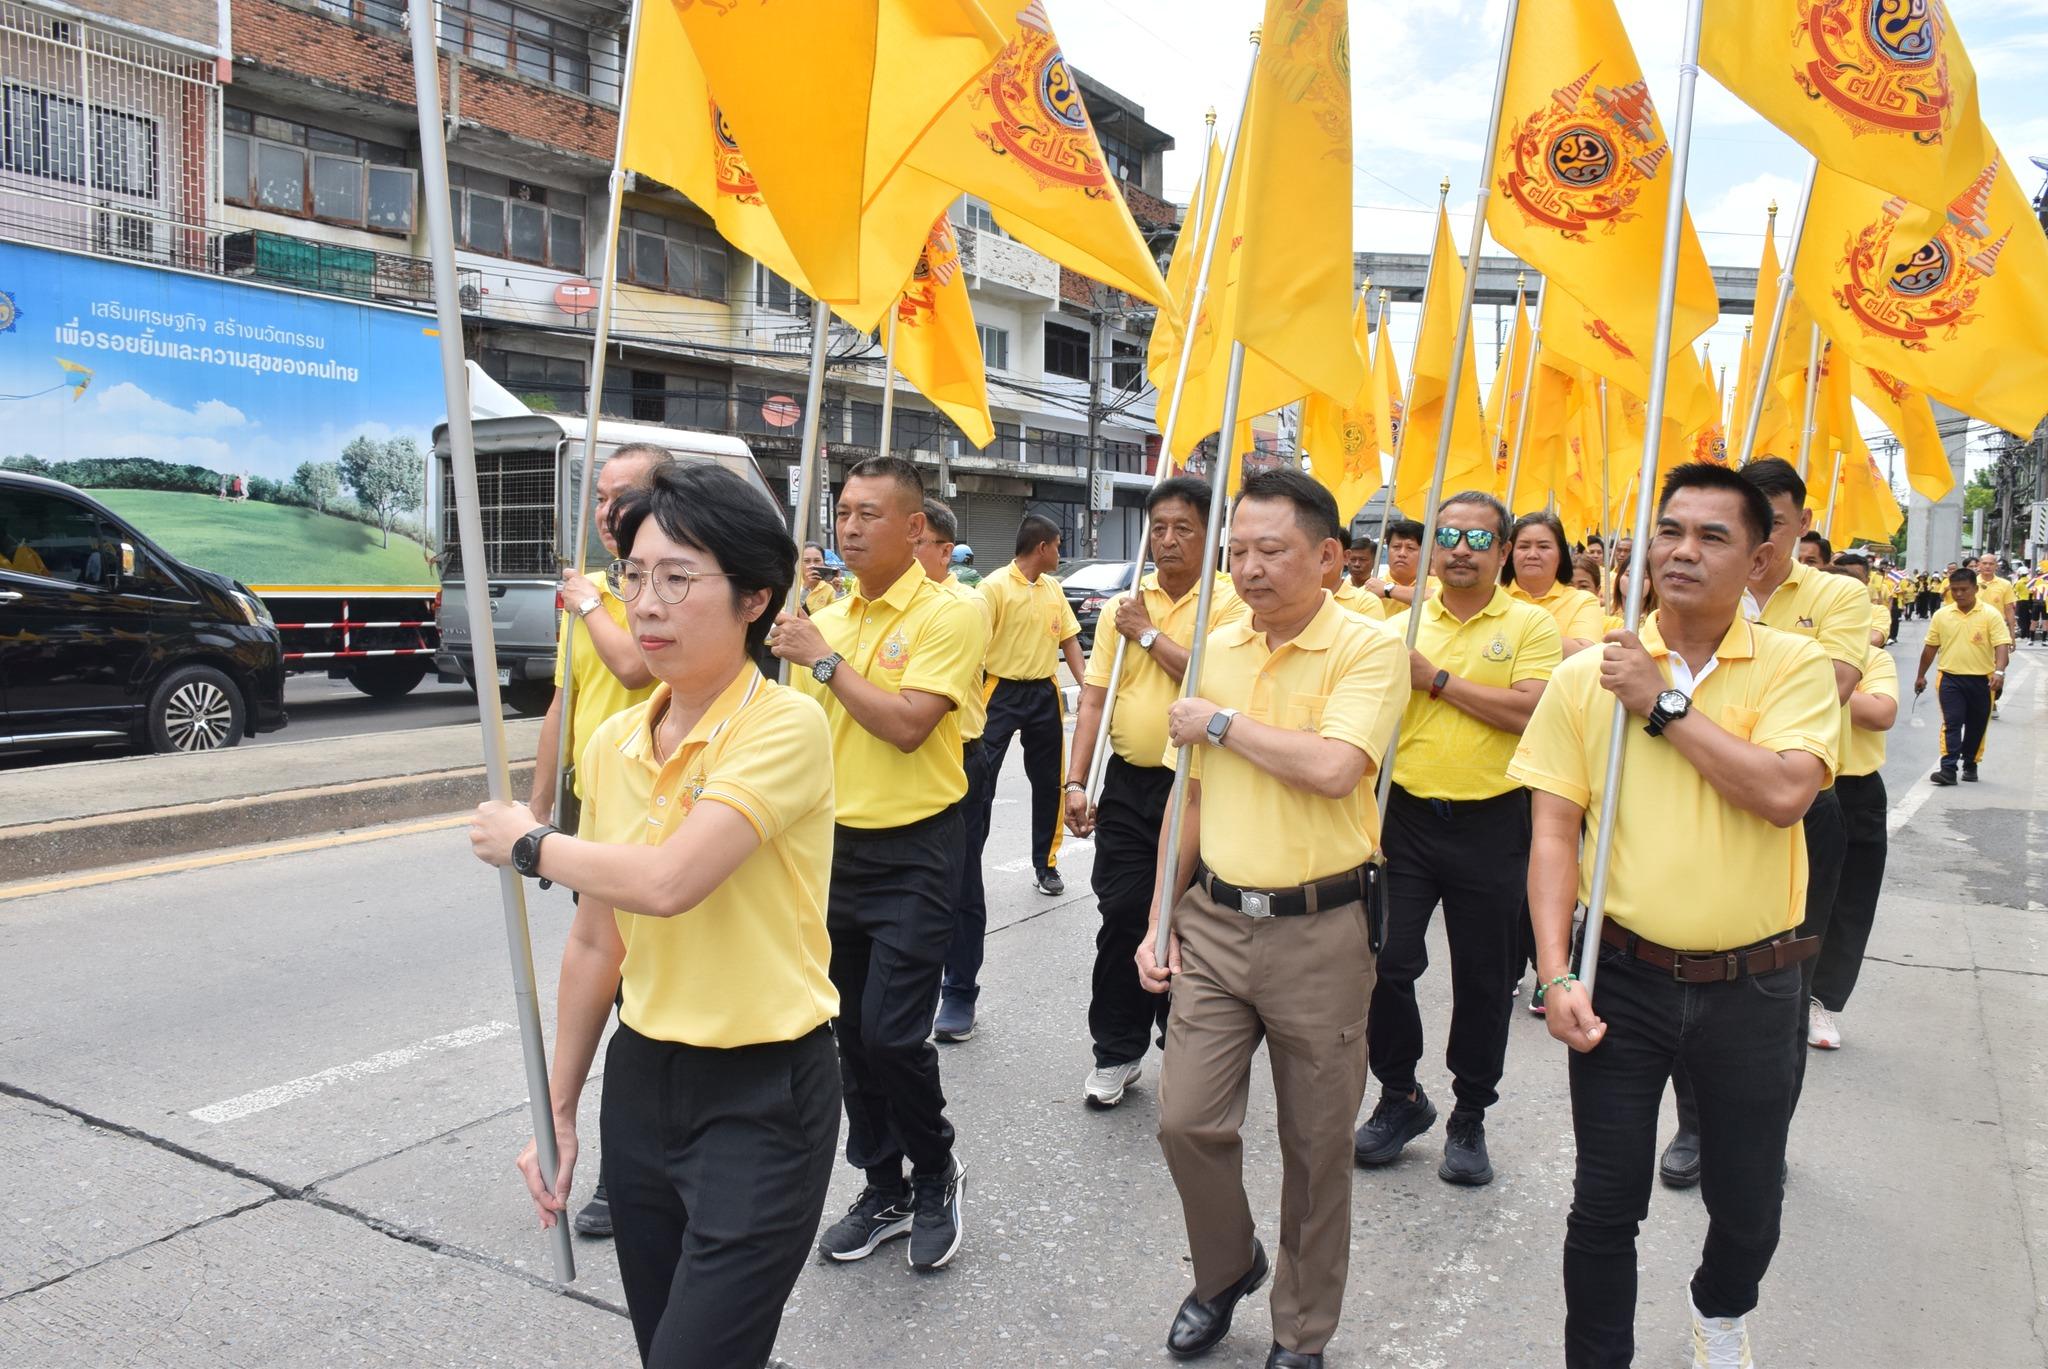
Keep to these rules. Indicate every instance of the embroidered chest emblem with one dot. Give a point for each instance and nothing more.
(1497, 649)
(1806, 623)
(895, 651)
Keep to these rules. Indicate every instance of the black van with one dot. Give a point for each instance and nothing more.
(106, 638)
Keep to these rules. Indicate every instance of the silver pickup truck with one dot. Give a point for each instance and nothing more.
(529, 476)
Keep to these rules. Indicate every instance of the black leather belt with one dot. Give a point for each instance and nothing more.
(1713, 967)
(1302, 899)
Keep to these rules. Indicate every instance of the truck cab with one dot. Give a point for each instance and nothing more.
(529, 478)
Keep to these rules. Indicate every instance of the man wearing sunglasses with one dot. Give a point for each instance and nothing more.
(1457, 833)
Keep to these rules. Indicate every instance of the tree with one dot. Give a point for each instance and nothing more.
(386, 477)
(319, 481)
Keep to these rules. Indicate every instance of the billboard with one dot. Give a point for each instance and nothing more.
(276, 437)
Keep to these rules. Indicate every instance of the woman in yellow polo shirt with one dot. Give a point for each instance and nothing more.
(702, 867)
(1537, 572)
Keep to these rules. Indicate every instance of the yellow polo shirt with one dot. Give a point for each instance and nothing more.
(1342, 677)
(1576, 613)
(1690, 870)
(1445, 752)
(748, 964)
(1881, 619)
(1967, 642)
(1832, 610)
(1864, 754)
(1144, 691)
(818, 596)
(917, 636)
(1360, 600)
(973, 708)
(599, 695)
(1030, 620)
(1997, 592)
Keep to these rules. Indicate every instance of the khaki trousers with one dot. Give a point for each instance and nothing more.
(1301, 984)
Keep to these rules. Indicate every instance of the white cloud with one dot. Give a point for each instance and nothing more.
(130, 404)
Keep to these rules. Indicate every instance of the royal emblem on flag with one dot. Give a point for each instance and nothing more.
(936, 267)
(729, 168)
(1361, 452)
(1583, 160)
(1036, 113)
(1932, 291)
(1879, 64)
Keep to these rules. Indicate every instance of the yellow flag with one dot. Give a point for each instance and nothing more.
(1864, 505)
(1469, 464)
(1961, 317)
(1738, 413)
(1577, 334)
(1709, 441)
(1879, 90)
(1342, 439)
(937, 349)
(1171, 326)
(1582, 173)
(1504, 401)
(1795, 342)
(1020, 138)
(827, 97)
(1906, 412)
(1551, 419)
(1386, 370)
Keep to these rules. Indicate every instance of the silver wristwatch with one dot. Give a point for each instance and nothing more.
(589, 606)
(825, 669)
(1147, 638)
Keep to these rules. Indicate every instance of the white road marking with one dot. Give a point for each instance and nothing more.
(261, 1100)
(1909, 803)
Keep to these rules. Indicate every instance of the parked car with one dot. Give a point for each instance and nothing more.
(105, 637)
(1089, 584)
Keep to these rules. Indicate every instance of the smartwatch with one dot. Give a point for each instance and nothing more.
(1436, 686)
(1147, 638)
(526, 850)
(1671, 705)
(589, 606)
(1219, 725)
(824, 670)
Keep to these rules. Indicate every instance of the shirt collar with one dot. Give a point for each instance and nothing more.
(730, 700)
(897, 596)
(1498, 604)
(1738, 643)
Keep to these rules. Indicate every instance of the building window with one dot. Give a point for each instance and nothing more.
(980, 218)
(1009, 443)
(312, 173)
(867, 425)
(697, 403)
(44, 135)
(1126, 365)
(495, 34)
(920, 430)
(1049, 448)
(995, 347)
(778, 296)
(555, 381)
(380, 13)
(1066, 352)
(501, 217)
(1124, 456)
(668, 254)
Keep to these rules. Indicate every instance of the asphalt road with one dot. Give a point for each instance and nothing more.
(264, 1114)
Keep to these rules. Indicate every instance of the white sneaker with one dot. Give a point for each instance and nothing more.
(1719, 1342)
(1105, 1086)
(1821, 1031)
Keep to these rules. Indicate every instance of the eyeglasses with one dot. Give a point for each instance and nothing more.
(1479, 539)
(671, 579)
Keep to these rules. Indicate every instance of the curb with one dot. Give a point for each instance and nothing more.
(36, 850)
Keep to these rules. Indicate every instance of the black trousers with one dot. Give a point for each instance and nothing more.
(1739, 1042)
(1474, 859)
(890, 915)
(1864, 807)
(1031, 709)
(1965, 713)
(970, 922)
(1896, 615)
(1122, 1016)
(716, 1163)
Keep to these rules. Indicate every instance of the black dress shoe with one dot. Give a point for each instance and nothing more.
(1198, 1325)
(1280, 1357)
(1680, 1167)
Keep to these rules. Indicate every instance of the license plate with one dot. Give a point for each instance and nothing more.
(505, 677)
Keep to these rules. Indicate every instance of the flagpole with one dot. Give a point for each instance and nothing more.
(888, 384)
(1212, 532)
(1782, 302)
(807, 464)
(1199, 244)
(1461, 339)
(1528, 385)
(1827, 527)
(469, 522)
(607, 291)
(1443, 192)
(1812, 395)
(1606, 507)
(1653, 431)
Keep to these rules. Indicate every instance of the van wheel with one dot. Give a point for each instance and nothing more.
(393, 678)
(195, 708)
(529, 698)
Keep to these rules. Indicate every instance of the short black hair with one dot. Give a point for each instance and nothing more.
(1962, 575)
(1361, 542)
(1344, 537)
(1315, 509)
(708, 507)
(818, 547)
(1406, 528)
(1549, 523)
(1708, 475)
(1482, 499)
(1775, 476)
(1195, 493)
(938, 516)
(1034, 532)
(895, 468)
(1827, 548)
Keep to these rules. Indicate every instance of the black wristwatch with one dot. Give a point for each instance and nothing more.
(1671, 705)
(526, 850)
(826, 668)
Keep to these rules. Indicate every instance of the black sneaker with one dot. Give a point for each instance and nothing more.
(1465, 1160)
(935, 1227)
(876, 1216)
(1943, 777)
(596, 1217)
(1393, 1124)
(1049, 882)
(1969, 774)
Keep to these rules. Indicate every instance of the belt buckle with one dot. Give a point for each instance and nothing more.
(1255, 904)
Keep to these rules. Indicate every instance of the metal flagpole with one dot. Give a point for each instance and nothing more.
(1462, 339)
(1528, 386)
(808, 473)
(1443, 192)
(888, 385)
(1778, 308)
(469, 524)
(1827, 527)
(586, 492)
(1606, 508)
(1205, 234)
(1653, 429)
(1813, 353)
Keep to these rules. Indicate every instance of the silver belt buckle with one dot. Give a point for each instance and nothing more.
(1254, 904)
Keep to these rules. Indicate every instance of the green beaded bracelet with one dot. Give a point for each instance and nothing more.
(1562, 979)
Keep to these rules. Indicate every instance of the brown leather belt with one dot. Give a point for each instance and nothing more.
(1713, 967)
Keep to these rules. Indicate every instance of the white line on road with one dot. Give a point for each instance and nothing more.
(243, 1105)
